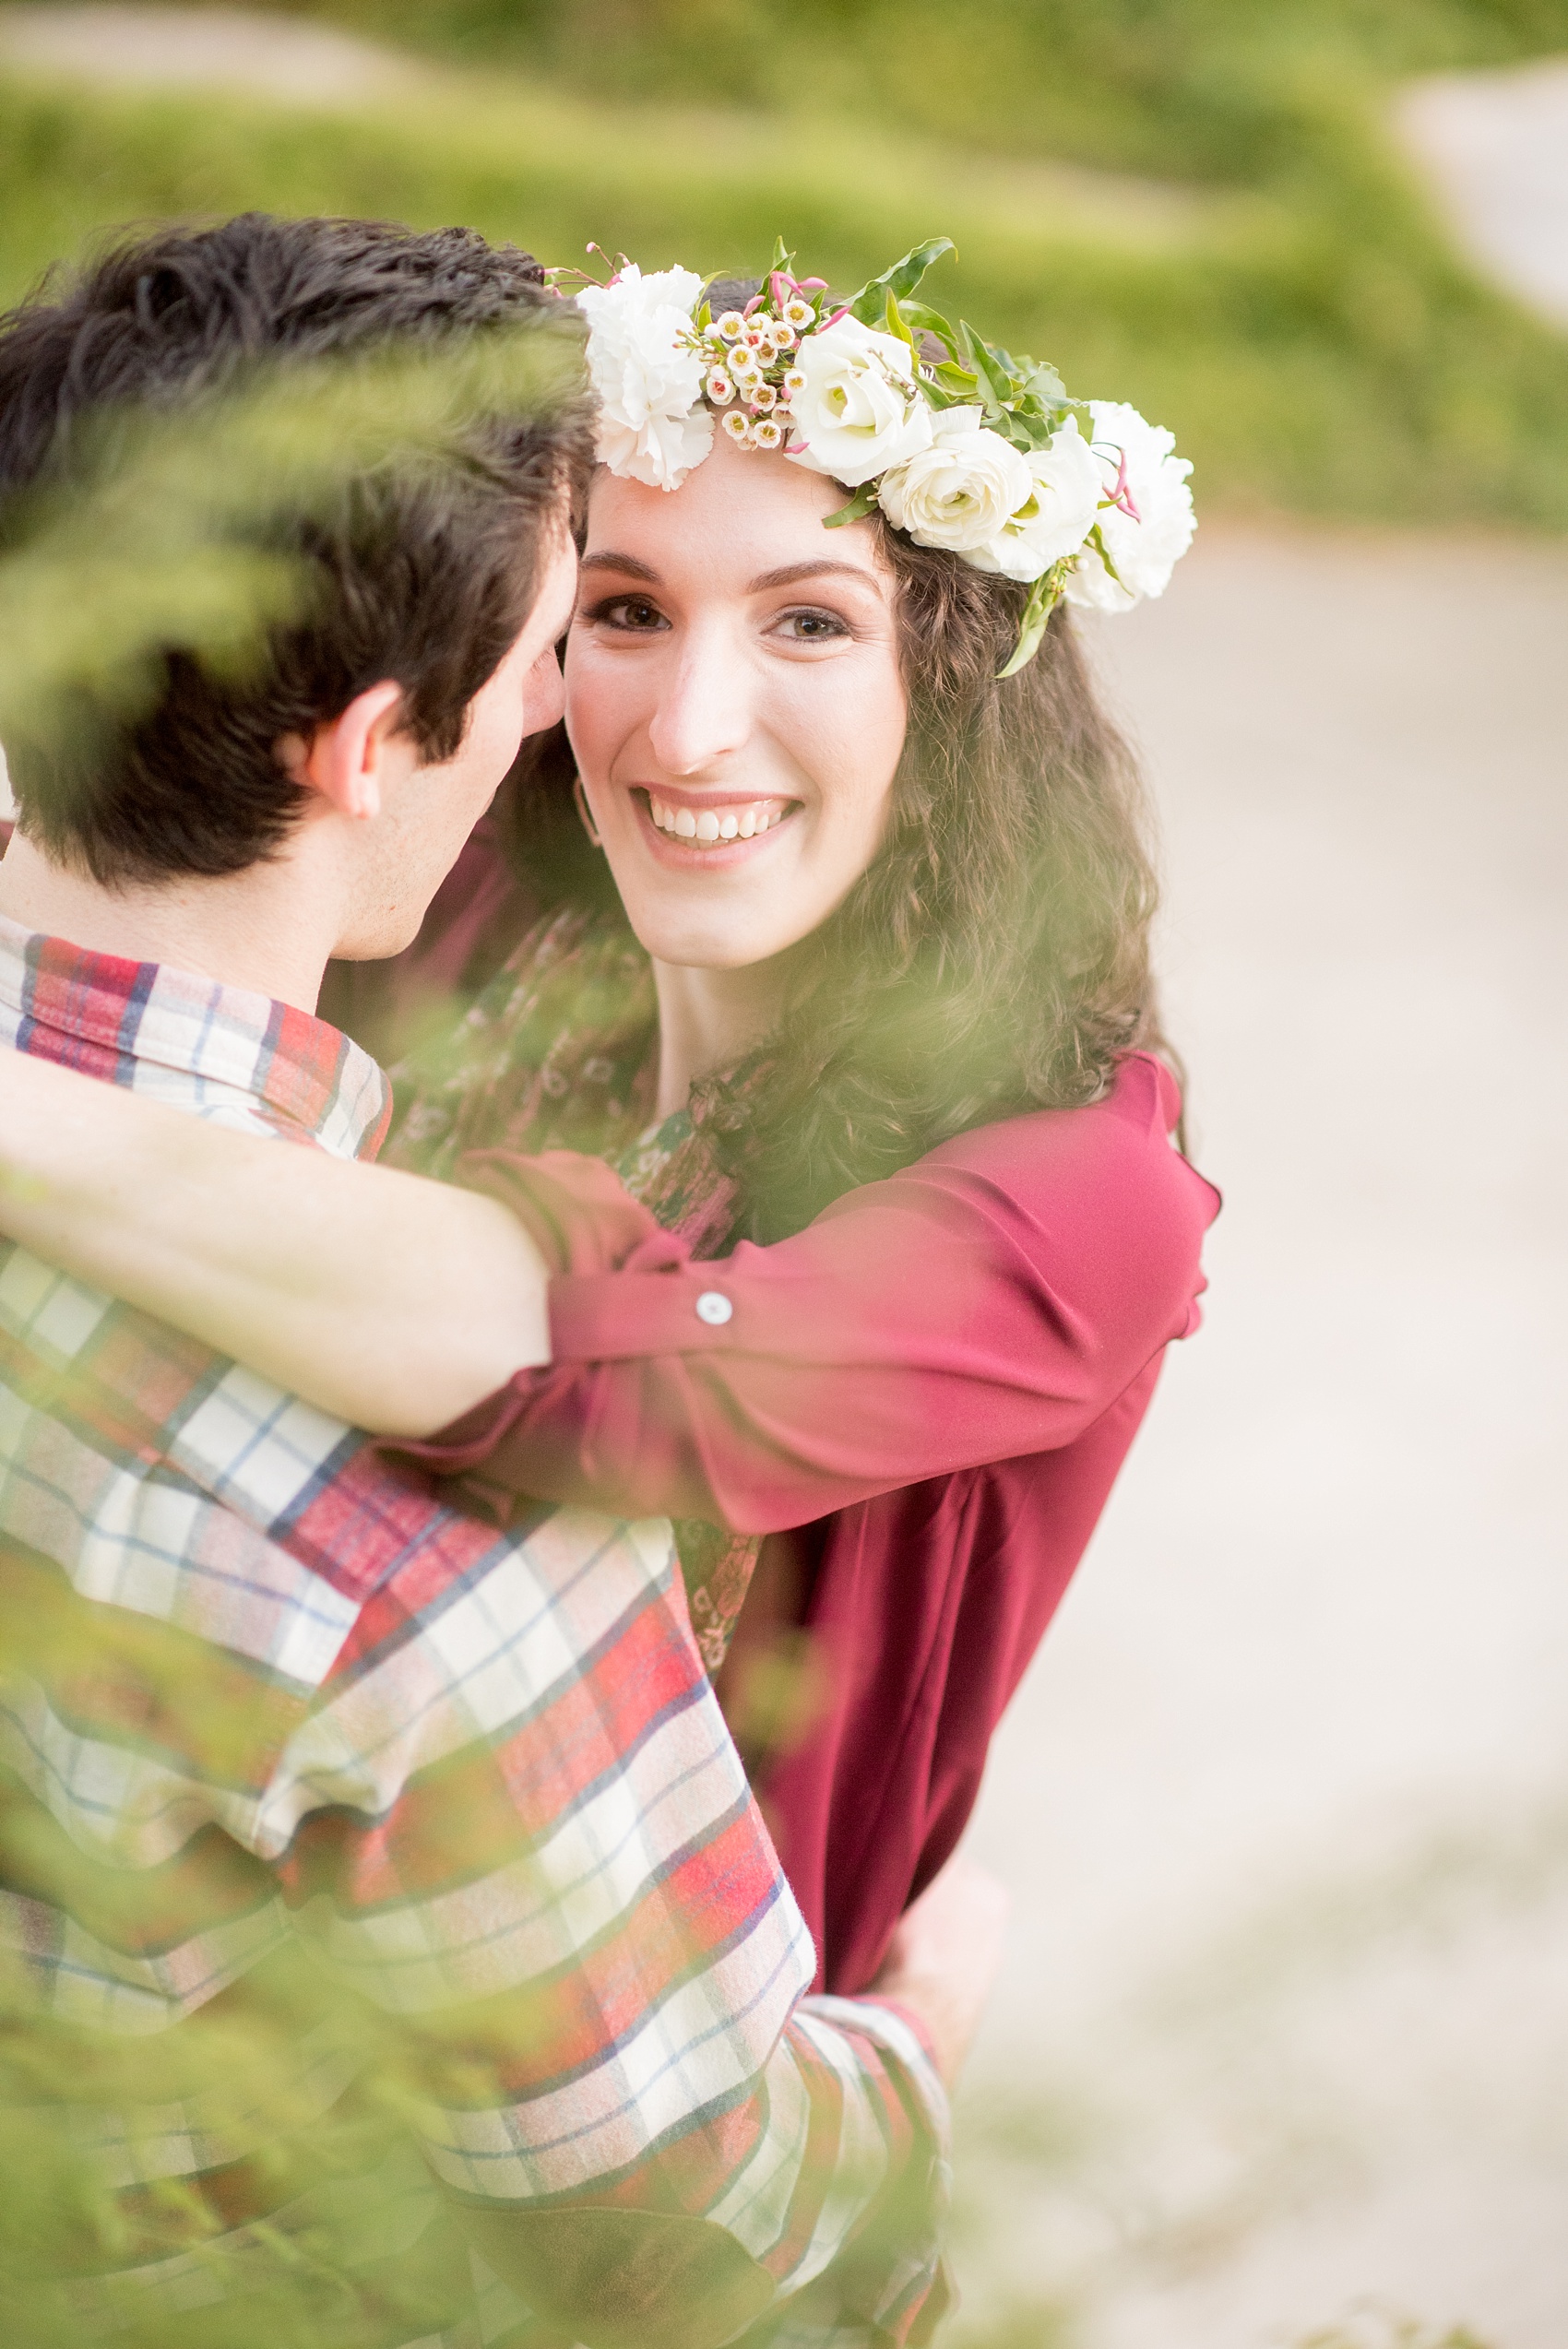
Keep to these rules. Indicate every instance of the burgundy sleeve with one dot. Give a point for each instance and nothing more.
(990, 1301)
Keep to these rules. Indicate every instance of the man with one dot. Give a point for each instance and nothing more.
(409, 1848)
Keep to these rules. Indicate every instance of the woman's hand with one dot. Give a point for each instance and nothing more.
(393, 1302)
(945, 1957)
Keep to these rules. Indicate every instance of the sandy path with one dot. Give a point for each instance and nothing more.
(1495, 146)
(1281, 1800)
(280, 57)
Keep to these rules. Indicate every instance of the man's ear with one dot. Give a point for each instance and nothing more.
(346, 761)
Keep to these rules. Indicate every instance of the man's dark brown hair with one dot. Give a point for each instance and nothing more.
(421, 570)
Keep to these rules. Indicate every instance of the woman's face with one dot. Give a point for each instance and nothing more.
(735, 705)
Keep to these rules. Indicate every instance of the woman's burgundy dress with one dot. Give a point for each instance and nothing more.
(923, 1398)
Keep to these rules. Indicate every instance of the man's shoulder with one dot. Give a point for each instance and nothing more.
(213, 1049)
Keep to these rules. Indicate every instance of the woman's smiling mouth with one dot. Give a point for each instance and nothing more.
(711, 824)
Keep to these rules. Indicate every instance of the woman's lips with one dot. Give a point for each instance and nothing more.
(707, 827)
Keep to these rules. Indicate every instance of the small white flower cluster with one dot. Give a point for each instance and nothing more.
(748, 355)
(1101, 516)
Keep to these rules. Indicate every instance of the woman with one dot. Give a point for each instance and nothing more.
(855, 969)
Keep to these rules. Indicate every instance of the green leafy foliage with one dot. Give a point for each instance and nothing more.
(93, 2159)
(878, 303)
(1044, 596)
(1374, 2328)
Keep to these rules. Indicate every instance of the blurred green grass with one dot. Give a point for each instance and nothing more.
(1192, 204)
(1226, 89)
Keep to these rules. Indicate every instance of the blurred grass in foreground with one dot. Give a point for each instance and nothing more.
(1280, 295)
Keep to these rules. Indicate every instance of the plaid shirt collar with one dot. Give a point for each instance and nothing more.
(191, 1041)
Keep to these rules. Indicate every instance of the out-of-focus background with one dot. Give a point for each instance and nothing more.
(1281, 2054)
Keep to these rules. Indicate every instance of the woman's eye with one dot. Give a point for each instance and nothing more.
(811, 627)
(635, 614)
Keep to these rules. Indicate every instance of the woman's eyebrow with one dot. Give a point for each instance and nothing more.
(627, 565)
(787, 576)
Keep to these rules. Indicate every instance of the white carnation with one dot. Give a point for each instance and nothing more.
(960, 491)
(1145, 545)
(1065, 488)
(652, 424)
(858, 409)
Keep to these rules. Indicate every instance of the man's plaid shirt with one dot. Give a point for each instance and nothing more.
(405, 1845)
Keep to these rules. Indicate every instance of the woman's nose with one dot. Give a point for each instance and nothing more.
(704, 711)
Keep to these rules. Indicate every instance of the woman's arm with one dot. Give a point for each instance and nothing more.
(389, 1300)
(993, 1300)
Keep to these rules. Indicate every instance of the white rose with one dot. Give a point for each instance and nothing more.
(652, 424)
(1147, 544)
(1065, 488)
(960, 491)
(858, 409)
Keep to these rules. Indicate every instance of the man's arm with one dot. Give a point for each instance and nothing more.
(389, 1300)
(539, 1852)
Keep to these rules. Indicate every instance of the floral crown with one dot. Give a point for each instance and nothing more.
(958, 444)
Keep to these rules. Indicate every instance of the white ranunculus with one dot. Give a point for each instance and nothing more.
(652, 424)
(1147, 548)
(1065, 488)
(859, 408)
(960, 491)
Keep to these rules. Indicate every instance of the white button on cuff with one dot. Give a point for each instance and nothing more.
(713, 1306)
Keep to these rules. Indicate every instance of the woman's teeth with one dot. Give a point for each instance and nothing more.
(717, 823)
